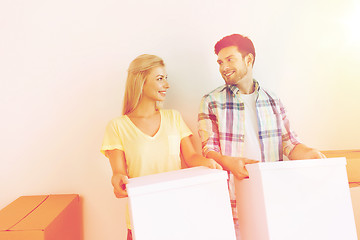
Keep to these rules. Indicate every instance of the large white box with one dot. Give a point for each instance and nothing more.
(188, 204)
(297, 200)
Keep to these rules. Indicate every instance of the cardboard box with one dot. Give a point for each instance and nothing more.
(189, 204)
(355, 197)
(303, 199)
(46, 217)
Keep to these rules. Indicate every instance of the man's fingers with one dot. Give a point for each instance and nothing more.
(250, 161)
(244, 172)
(241, 174)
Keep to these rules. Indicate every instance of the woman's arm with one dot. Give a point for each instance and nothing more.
(194, 159)
(119, 169)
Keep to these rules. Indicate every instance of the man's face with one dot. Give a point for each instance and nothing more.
(232, 65)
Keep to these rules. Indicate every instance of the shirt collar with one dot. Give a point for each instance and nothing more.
(235, 90)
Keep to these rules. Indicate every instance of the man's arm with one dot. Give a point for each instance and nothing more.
(209, 134)
(301, 151)
(292, 148)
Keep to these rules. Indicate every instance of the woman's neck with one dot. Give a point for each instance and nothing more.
(144, 110)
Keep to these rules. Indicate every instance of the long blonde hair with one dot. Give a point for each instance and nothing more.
(137, 73)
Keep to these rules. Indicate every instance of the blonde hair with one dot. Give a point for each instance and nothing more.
(137, 73)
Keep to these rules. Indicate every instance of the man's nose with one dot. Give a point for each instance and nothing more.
(224, 67)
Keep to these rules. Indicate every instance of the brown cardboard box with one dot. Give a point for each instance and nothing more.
(46, 217)
(355, 197)
(353, 171)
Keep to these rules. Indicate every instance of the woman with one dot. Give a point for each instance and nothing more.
(146, 139)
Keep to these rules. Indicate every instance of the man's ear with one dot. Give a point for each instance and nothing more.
(249, 59)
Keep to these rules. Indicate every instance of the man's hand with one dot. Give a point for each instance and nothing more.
(314, 154)
(237, 166)
(301, 151)
(119, 182)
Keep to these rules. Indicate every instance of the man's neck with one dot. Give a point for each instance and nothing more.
(246, 86)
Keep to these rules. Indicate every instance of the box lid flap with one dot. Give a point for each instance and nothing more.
(18, 210)
(45, 213)
(173, 179)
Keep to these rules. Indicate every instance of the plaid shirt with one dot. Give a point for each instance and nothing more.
(222, 126)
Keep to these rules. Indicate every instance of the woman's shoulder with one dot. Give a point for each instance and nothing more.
(118, 120)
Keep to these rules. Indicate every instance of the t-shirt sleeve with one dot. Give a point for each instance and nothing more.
(183, 128)
(112, 138)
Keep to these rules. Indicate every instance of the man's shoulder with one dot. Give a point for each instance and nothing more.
(216, 92)
(267, 93)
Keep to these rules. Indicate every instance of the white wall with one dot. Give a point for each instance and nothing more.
(63, 66)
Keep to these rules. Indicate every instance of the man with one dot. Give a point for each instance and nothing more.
(242, 123)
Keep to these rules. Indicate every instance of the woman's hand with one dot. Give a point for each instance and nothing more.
(198, 160)
(119, 182)
(210, 163)
(236, 165)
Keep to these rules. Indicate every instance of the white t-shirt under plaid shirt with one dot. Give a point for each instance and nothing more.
(222, 126)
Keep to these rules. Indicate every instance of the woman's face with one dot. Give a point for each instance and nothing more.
(156, 84)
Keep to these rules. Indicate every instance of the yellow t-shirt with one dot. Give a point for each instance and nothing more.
(144, 154)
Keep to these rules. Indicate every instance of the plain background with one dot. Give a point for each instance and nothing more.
(63, 68)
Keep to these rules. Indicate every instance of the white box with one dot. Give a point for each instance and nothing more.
(188, 204)
(297, 200)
